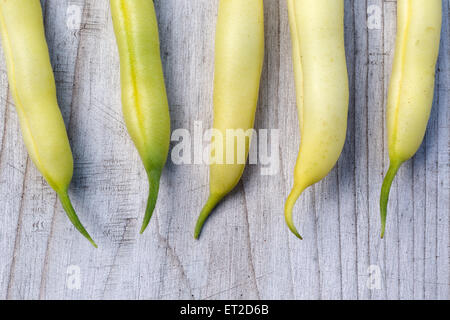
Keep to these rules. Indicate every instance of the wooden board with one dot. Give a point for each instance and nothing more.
(246, 251)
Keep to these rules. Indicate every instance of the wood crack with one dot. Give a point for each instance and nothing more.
(249, 243)
(12, 269)
(172, 253)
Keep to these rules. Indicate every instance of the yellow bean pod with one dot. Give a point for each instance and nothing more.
(412, 85)
(321, 80)
(33, 88)
(144, 99)
(239, 57)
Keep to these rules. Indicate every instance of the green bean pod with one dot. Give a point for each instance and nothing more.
(32, 84)
(144, 99)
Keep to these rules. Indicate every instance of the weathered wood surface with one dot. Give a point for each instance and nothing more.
(246, 250)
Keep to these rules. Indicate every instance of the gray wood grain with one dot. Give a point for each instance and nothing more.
(246, 251)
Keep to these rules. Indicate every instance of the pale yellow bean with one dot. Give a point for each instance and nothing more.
(321, 80)
(239, 57)
(412, 85)
(33, 88)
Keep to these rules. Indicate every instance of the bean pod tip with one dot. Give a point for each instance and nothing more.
(70, 211)
(212, 202)
(289, 207)
(385, 190)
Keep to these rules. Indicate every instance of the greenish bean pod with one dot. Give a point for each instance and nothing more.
(144, 99)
